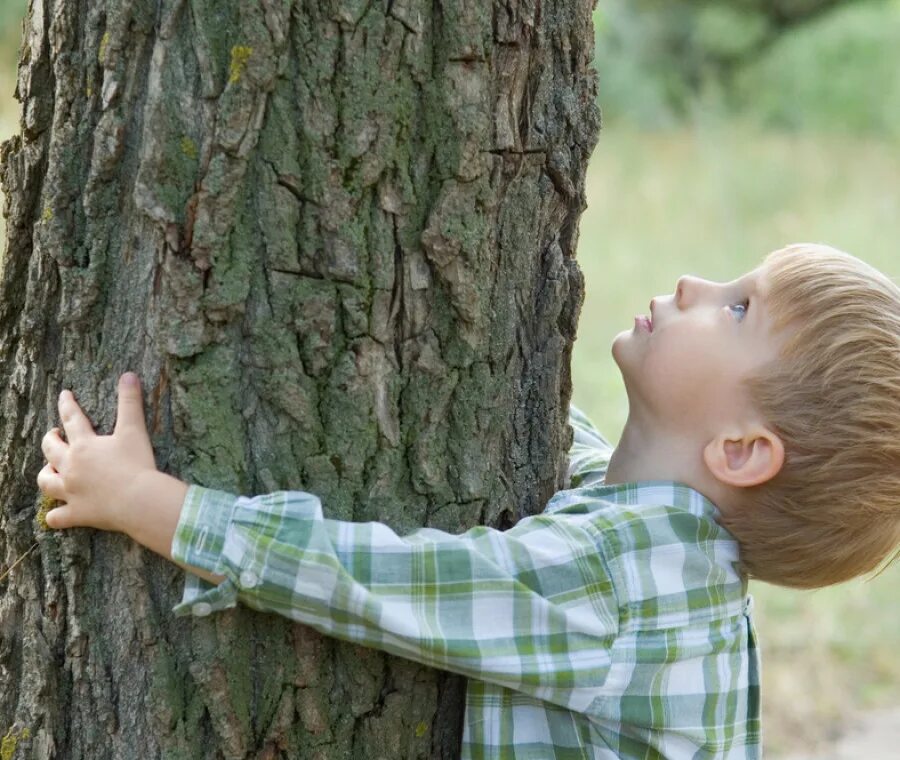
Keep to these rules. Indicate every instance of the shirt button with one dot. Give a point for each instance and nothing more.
(201, 609)
(249, 579)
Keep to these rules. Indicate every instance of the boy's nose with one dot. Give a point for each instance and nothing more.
(681, 288)
(686, 289)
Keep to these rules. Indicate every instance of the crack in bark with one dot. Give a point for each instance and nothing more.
(397, 311)
(292, 185)
(512, 152)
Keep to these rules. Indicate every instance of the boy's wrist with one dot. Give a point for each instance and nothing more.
(152, 509)
(152, 515)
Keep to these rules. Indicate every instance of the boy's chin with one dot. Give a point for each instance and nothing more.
(619, 349)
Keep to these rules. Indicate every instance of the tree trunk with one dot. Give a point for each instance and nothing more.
(336, 240)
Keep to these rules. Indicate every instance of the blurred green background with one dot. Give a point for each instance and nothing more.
(730, 129)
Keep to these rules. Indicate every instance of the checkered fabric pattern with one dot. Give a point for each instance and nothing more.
(612, 625)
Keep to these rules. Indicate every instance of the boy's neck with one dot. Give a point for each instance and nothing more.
(656, 455)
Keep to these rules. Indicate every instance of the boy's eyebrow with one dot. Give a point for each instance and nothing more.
(762, 292)
(757, 293)
(751, 286)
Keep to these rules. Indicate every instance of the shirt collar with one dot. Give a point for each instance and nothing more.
(669, 492)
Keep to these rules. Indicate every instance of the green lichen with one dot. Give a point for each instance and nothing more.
(240, 54)
(104, 43)
(9, 742)
(175, 173)
(48, 214)
(189, 148)
(8, 747)
(45, 504)
(421, 729)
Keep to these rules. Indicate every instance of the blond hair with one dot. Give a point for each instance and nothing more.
(833, 396)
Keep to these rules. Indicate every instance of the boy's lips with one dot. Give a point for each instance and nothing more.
(642, 322)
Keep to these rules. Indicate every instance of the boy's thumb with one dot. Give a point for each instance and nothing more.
(131, 404)
(58, 518)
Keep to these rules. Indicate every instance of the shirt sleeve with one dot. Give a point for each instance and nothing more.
(590, 452)
(531, 608)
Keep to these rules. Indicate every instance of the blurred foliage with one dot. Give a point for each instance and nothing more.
(842, 72)
(802, 64)
(11, 14)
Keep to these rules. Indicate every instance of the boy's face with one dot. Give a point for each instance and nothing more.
(683, 376)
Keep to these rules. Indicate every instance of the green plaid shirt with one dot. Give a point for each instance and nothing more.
(612, 625)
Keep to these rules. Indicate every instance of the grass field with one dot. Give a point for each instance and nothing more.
(711, 201)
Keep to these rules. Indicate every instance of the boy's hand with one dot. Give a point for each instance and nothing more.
(97, 476)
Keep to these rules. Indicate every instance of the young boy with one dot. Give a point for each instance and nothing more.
(764, 414)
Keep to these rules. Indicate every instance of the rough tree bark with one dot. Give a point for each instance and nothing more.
(336, 241)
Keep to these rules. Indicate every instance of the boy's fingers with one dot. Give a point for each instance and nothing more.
(61, 517)
(54, 448)
(130, 413)
(50, 482)
(74, 421)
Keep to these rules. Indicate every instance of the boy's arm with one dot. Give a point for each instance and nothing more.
(532, 609)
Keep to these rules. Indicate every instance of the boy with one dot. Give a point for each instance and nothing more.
(763, 413)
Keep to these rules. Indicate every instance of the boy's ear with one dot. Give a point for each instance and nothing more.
(745, 460)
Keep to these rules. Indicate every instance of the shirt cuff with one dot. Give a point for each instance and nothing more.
(199, 541)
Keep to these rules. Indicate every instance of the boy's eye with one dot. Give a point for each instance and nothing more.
(743, 306)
